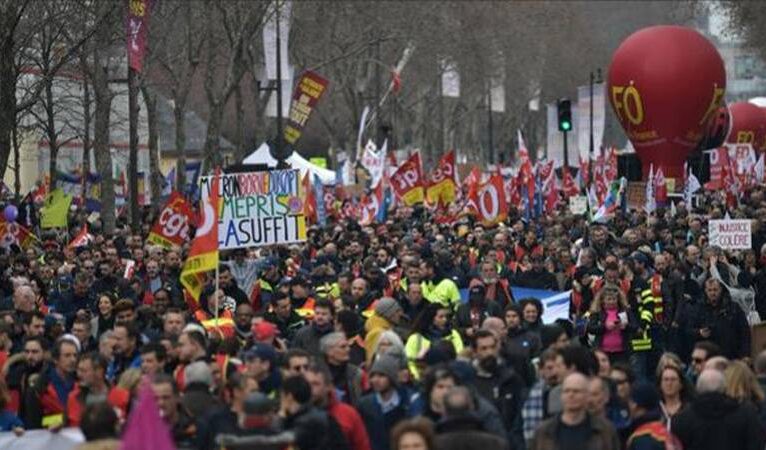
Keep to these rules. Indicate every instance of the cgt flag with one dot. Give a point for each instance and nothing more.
(407, 181)
(489, 202)
(203, 255)
(442, 186)
(172, 226)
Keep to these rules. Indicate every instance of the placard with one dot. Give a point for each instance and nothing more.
(578, 204)
(259, 208)
(731, 234)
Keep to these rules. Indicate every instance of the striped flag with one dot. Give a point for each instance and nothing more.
(203, 255)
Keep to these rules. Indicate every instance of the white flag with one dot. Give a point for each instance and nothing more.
(691, 186)
(270, 39)
(497, 95)
(651, 203)
(373, 160)
(450, 80)
(287, 95)
(759, 169)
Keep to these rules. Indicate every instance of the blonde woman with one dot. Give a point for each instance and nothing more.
(612, 322)
(742, 384)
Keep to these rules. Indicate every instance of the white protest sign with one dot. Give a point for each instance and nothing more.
(66, 439)
(259, 208)
(578, 204)
(730, 234)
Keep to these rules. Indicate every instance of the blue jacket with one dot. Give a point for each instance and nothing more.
(379, 424)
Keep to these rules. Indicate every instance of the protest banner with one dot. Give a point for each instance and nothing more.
(309, 89)
(172, 226)
(489, 202)
(730, 234)
(578, 204)
(64, 439)
(259, 208)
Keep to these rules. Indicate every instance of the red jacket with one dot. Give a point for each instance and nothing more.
(118, 397)
(350, 422)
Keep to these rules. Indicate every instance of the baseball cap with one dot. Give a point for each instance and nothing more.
(262, 351)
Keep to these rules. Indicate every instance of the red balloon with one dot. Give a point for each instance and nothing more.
(665, 85)
(748, 125)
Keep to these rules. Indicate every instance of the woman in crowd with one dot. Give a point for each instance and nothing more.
(433, 325)
(612, 322)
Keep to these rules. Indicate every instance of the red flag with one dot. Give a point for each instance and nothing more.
(660, 188)
(526, 172)
(203, 255)
(570, 188)
(719, 162)
(551, 192)
(137, 32)
(82, 239)
(441, 185)
(599, 179)
(610, 169)
(396, 82)
(310, 204)
(172, 226)
(489, 202)
(369, 205)
(584, 173)
(407, 181)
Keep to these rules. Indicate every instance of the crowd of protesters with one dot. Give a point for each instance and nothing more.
(401, 335)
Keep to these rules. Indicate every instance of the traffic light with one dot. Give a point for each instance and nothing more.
(565, 115)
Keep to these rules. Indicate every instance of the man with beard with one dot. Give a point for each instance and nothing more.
(284, 316)
(68, 303)
(227, 282)
(308, 337)
(721, 321)
(91, 388)
(301, 298)
(46, 400)
(243, 318)
(496, 381)
(349, 380)
(537, 277)
(107, 281)
(22, 369)
(360, 299)
(497, 288)
(126, 354)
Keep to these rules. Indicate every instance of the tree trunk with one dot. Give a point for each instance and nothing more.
(16, 165)
(50, 127)
(135, 207)
(239, 154)
(102, 152)
(179, 115)
(7, 98)
(213, 137)
(86, 126)
(155, 177)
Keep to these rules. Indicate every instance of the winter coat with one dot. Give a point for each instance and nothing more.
(602, 436)
(308, 338)
(648, 432)
(374, 326)
(198, 400)
(463, 315)
(350, 422)
(715, 421)
(466, 433)
(380, 424)
(728, 326)
(597, 326)
(504, 388)
(418, 344)
(315, 429)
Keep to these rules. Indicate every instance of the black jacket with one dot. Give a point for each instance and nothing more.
(315, 429)
(198, 400)
(715, 421)
(728, 326)
(466, 433)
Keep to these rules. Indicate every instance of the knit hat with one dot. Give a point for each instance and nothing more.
(388, 366)
(645, 396)
(388, 308)
(258, 404)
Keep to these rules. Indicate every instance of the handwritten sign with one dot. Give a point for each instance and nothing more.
(578, 204)
(730, 234)
(260, 208)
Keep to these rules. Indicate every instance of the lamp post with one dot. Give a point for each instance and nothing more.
(591, 147)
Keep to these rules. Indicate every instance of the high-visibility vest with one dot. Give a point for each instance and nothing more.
(223, 325)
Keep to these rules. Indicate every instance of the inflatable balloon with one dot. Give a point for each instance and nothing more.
(748, 125)
(10, 213)
(665, 84)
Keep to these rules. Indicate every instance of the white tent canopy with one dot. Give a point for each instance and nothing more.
(296, 161)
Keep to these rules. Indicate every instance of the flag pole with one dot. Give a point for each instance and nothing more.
(217, 300)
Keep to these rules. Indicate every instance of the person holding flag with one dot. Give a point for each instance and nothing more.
(203, 257)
